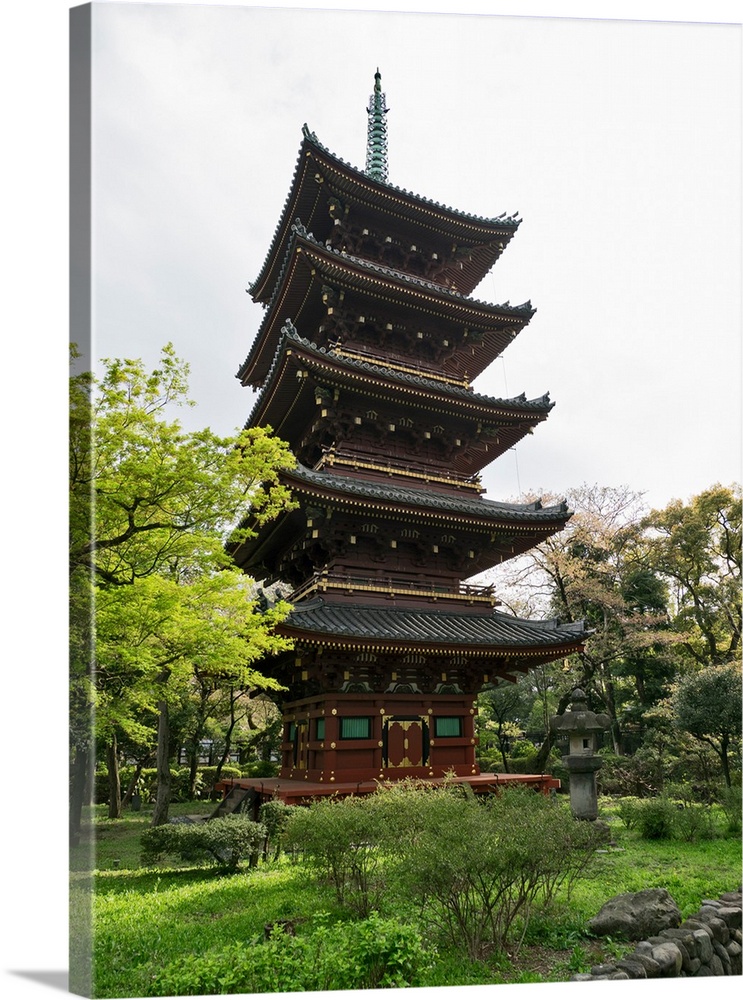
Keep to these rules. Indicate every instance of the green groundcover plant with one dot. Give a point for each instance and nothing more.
(368, 954)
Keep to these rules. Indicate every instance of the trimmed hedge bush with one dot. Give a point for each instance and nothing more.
(225, 841)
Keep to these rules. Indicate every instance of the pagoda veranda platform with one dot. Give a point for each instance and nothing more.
(363, 363)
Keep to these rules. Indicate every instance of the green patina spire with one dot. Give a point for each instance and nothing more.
(376, 135)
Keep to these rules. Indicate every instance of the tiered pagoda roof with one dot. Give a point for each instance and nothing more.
(288, 398)
(506, 529)
(436, 632)
(468, 244)
(309, 266)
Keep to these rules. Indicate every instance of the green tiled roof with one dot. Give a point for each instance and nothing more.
(492, 630)
(527, 513)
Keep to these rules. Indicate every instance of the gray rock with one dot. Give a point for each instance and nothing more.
(722, 954)
(736, 959)
(669, 958)
(684, 938)
(719, 929)
(697, 925)
(718, 969)
(633, 967)
(605, 969)
(636, 915)
(652, 969)
(703, 940)
(731, 915)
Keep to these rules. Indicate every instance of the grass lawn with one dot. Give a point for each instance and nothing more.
(145, 919)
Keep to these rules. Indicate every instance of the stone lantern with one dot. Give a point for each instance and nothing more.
(581, 726)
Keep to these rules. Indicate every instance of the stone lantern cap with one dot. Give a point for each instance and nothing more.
(580, 719)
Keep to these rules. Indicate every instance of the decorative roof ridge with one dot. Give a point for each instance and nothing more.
(509, 221)
(289, 331)
(430, 498)
(525, 309)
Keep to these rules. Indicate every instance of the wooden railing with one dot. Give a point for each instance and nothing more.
(322, 582)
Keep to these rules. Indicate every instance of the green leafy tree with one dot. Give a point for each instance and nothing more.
(147, 496)
(596, 571)
(151, 508)
(707, 705)
(696, 546)
(503, 712)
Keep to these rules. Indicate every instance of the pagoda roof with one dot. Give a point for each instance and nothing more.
(519, 525)
(428, 502)
(280, 398)
(316, 165)
(306, 260)
(387, 629)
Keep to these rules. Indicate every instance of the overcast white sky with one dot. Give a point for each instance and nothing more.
(617, 142)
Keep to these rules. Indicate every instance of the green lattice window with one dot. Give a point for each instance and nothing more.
(355, 728)
(447, 725)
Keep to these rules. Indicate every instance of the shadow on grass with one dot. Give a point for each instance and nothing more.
(157, 880)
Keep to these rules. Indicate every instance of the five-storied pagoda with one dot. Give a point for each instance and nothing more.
(363, 363)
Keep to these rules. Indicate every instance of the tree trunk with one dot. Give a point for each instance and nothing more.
(132, 785)
(114, 781)
(193, 770)
(546, 747)
(725, 762)
(617, 737)
(162, 799)
(227, 739)
(78, 784)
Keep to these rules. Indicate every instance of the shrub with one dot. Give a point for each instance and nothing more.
(693, 823)
(225, 841)
(260, 769)
(628, 811)
(275, 816)
(209, 775)
(656, 818)
(339, 838)
(681, 791)
(475, 866)
(371, 954)
(147, 782)
(730, 803)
